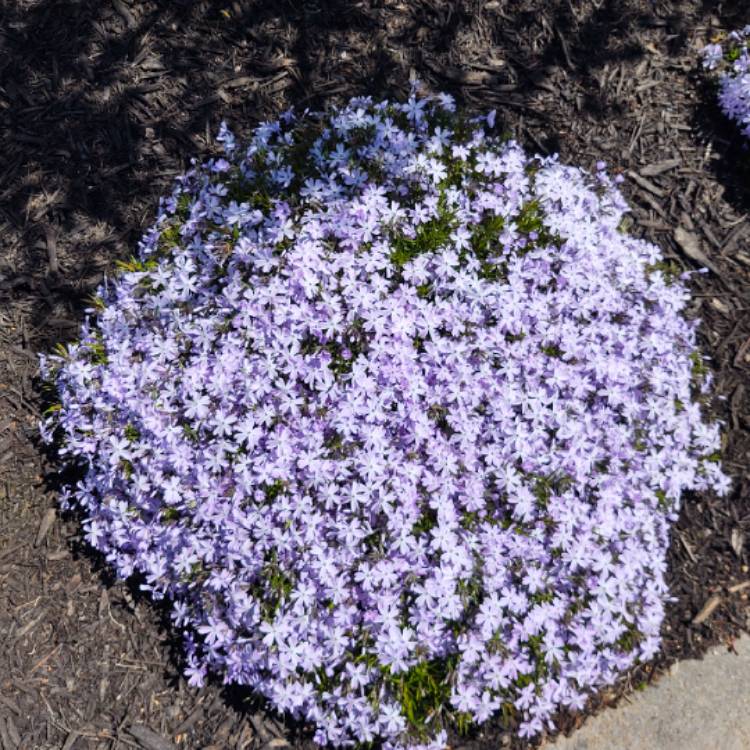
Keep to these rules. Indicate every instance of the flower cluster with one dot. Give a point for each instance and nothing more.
(732, 62)
(396, 418)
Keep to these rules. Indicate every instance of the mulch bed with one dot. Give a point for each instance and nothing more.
(102, 103)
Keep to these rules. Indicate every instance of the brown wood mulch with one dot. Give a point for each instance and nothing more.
(102, 103)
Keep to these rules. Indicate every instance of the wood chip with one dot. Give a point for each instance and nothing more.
(45, 659)
(149, 739)
(46, 524)
(192, 718)
(739, 587)
(246, 738)
(652, 170)
(8, 703)
(29, 626)
(8, 552)
(260, 728)
(646, 184)
(741, 352)
(241, 82)
(51, 244)
(707, 610)
(125, 14)
(13, 730)
(648, 85)
(459, 75)
(5, 741)
(687, 547)
(737, 541)
(73, 583)
(103, 607)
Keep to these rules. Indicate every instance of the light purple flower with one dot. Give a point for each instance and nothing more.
(433, 409)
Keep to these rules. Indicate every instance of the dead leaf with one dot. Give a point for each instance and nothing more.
(690, 245)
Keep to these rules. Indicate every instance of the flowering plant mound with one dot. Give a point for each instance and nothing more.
(732, 62)
(396, 418)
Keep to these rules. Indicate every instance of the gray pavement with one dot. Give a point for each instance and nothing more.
(698, 705)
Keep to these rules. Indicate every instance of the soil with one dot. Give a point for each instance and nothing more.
(104, 102)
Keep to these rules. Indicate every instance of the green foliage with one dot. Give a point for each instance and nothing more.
(625, 225)
(197, 573)
(96, 302)
(542, 597)
(424, 692)
(338, 448)
(541, 670)
(552, 350)
(546, 486)
(134, 265)
(61, 351)
(255, 195)
(484, 244)
(530, 219)
(667, 268)
(471, 590)
(455, 173)
(183, 207)
(662, 500)
(424, 291)
(52, 409)
(97, 351)
(132, 433)
(339, 365)
(298, 153)
(470, 520)
(170, 237)
(373, 543)
(127, 468)
(640, 443)
(273, 586)
(170, 515)
(629, 639)
(734, 53)
(429, 236)
(699, 370)
(355, 341)
(190, 432)
(273, 490)
(427, 521)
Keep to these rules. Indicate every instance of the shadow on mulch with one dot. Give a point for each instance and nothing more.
(102, 104)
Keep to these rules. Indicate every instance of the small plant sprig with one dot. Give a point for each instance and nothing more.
(397, 418)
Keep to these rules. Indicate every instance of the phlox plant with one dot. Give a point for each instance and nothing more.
(731, 61)
(396, 419)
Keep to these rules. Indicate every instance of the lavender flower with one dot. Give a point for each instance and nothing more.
(398, 421)
(731, 60)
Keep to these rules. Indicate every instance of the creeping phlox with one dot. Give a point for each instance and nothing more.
(396, 418)
(731, 60)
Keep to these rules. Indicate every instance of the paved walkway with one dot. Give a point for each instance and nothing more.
(698, 705)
